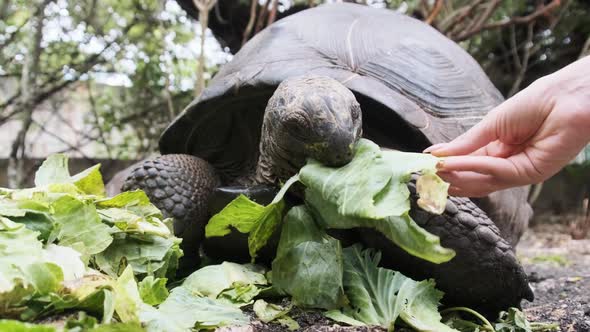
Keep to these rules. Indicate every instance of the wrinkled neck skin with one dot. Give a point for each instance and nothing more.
(276, 163)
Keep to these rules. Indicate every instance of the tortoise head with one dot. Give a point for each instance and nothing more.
(310, 117)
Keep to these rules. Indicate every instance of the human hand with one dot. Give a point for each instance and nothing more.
(524, 140)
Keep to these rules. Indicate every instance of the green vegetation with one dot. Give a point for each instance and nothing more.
(93, 263)
(554, 259)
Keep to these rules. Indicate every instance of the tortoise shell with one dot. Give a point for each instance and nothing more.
(415, 86)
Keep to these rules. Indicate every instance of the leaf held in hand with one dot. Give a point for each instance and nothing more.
(433, 193)
(347, 197)
(401, 230)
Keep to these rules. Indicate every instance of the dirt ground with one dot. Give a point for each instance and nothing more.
(559, 271)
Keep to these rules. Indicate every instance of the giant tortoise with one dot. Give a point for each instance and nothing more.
(309, 86)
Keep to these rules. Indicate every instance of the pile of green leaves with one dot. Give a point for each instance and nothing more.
(346, 198)
(312, 267)
(63, 245)
(149, 306)
(85, 262)
(340, 198)
(92, 263)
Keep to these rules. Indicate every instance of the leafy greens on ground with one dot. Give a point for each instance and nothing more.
(66, 248)
(268, 312)
(380, 296)
(308, 265)
(311, 266)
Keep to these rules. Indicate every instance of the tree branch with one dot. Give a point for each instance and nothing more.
(204, 7)
(261, 17)
(477, 28)
(7, 103)
(459, 16)
(142, 114)
(251, 20)
(529, 49)
(218, 14)
(70, 145)
(485, 16)
(585, 48)
(101, 134)
(168, 97)
(434, 12)
(524, 63)
(29, 73)
(14, 34)
(273, 12)
(81, 68)
(514, 48)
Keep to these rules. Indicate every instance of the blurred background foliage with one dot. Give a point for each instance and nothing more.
(104, 78)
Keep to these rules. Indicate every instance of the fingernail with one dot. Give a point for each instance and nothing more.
(429, 149)
(440, 165)
(434, 147)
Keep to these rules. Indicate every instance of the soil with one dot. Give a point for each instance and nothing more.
(308, 320)
(559, 272)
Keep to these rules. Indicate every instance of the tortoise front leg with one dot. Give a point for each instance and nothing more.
(180, 186)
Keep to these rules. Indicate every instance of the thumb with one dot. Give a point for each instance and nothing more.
(478, 136)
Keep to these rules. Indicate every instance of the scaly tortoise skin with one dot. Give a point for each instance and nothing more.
(170, 183)
(295, 90)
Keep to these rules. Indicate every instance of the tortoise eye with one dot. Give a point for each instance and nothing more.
(297, 123)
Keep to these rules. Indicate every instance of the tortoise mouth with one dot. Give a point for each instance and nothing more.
(336, 152)
(338, 159)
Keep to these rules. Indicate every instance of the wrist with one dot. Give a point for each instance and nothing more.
(570, 88)
(547, 93)
(572, 84)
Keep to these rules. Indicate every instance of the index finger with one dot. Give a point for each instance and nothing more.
(501, 169)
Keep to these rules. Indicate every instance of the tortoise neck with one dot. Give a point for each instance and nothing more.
(275, 163)
(264, 173)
